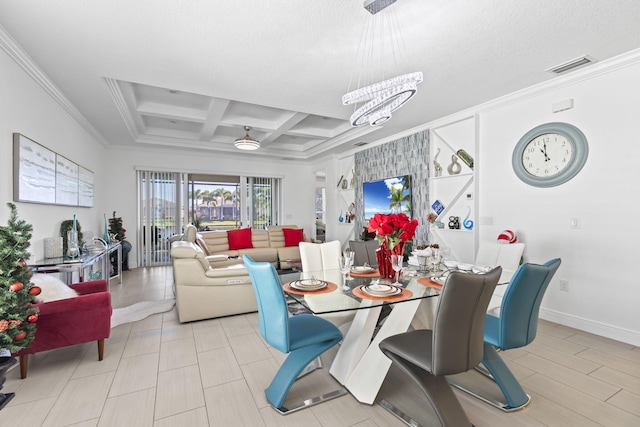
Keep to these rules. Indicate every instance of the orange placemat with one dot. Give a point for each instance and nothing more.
(374, 273)
(428, 282)
(329, 288)
(405, 294)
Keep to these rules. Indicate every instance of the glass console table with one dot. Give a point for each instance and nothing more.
(90, 262)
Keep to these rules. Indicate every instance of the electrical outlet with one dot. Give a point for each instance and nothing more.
(564, 285)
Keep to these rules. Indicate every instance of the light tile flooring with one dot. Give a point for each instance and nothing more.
(158, 372)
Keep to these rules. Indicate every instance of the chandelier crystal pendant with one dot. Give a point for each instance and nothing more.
(374, 103)
(246, 142)
(383, 98)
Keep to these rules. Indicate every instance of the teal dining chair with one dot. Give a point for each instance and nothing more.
(304, 336)
(454, 345)
(515, 327)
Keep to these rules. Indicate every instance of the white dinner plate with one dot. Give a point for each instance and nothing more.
(362, 269)
(465, 267)
(308, 285)
(439, 279)
(381, 290)
(480, 269)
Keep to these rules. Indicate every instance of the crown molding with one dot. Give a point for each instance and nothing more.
(11, 47)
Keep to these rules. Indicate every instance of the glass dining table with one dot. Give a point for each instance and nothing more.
(359, 364)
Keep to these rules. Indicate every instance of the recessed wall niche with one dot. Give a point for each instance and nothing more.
(404, 156)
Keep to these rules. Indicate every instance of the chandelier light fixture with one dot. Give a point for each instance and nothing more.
(374, 103)
(246, 142)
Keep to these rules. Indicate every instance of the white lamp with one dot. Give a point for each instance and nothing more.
(246, 142)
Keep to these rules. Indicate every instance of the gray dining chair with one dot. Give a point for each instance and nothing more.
(454, 345)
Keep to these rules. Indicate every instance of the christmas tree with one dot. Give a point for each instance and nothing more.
(115, 228)
(17, 315)
(116, 232)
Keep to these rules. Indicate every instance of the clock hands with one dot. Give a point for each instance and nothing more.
(546, 158)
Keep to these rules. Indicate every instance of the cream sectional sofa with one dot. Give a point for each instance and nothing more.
(204, 292)
(268, 246)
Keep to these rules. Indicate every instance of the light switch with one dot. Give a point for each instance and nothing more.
(574, 223)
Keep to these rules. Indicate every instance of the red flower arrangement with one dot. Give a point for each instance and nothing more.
(392, 231)
(393, 228)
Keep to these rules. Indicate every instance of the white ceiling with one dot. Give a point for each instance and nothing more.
(191, 74)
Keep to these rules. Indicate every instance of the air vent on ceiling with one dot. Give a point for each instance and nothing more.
(570, 65)
(360, 144)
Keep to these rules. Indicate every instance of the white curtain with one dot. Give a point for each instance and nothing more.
(262, 196)
(161, 214)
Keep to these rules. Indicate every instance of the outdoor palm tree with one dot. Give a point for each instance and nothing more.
(223, 195)
(209, 198)
(397, 196)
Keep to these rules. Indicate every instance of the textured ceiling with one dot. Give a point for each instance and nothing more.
(192, 74)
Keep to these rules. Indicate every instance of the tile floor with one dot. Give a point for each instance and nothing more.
(158, 372)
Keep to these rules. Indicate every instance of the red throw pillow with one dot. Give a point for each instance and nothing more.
(239, 239)
(293, 236)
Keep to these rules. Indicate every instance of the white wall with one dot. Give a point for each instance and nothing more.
(27, 109)
(298, 181)
(599, 258)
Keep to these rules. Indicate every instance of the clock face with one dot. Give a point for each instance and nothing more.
(547, 155)
(550, 154)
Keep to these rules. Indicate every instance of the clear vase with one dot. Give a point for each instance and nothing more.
(72, 244)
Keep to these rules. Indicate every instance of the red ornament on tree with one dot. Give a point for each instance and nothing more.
(22, 263)
(20, 336)
(33, 318)
(16, 286)
(35, 290)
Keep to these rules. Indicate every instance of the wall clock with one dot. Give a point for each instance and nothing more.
(550, 154)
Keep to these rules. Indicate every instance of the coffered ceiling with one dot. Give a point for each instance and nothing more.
(191, 74)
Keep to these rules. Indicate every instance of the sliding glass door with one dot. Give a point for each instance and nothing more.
(161, 215)
(169, 200)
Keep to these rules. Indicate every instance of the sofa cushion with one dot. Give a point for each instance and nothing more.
(51, 288)
(293, 236)
(240, 239)
(276, 236)
(203, 245)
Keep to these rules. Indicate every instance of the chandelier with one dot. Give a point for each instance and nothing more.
(379, 100)
(246, 142)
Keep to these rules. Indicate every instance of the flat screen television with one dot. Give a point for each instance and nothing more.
(391, 195)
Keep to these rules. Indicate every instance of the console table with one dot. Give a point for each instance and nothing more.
(82, 264)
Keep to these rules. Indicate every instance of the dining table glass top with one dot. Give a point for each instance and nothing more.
(336, 297)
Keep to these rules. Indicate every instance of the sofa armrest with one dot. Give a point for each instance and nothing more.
(87, 303)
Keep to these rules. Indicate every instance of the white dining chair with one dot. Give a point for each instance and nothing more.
(324, 257)
(320, 256)
(507, 256)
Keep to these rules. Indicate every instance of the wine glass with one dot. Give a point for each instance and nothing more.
(396, 264)
(344, 264)
(351, 255)
(435, 259)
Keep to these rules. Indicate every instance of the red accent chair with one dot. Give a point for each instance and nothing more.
(72, 321)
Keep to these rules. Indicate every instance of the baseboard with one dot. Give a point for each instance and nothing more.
(588, 325)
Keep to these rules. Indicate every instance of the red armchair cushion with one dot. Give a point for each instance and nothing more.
(239, 239)
(71, 321)
(293, 236)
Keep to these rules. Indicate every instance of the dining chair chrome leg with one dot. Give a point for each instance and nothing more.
(498, 372)
(399, 414)
(310, 402)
